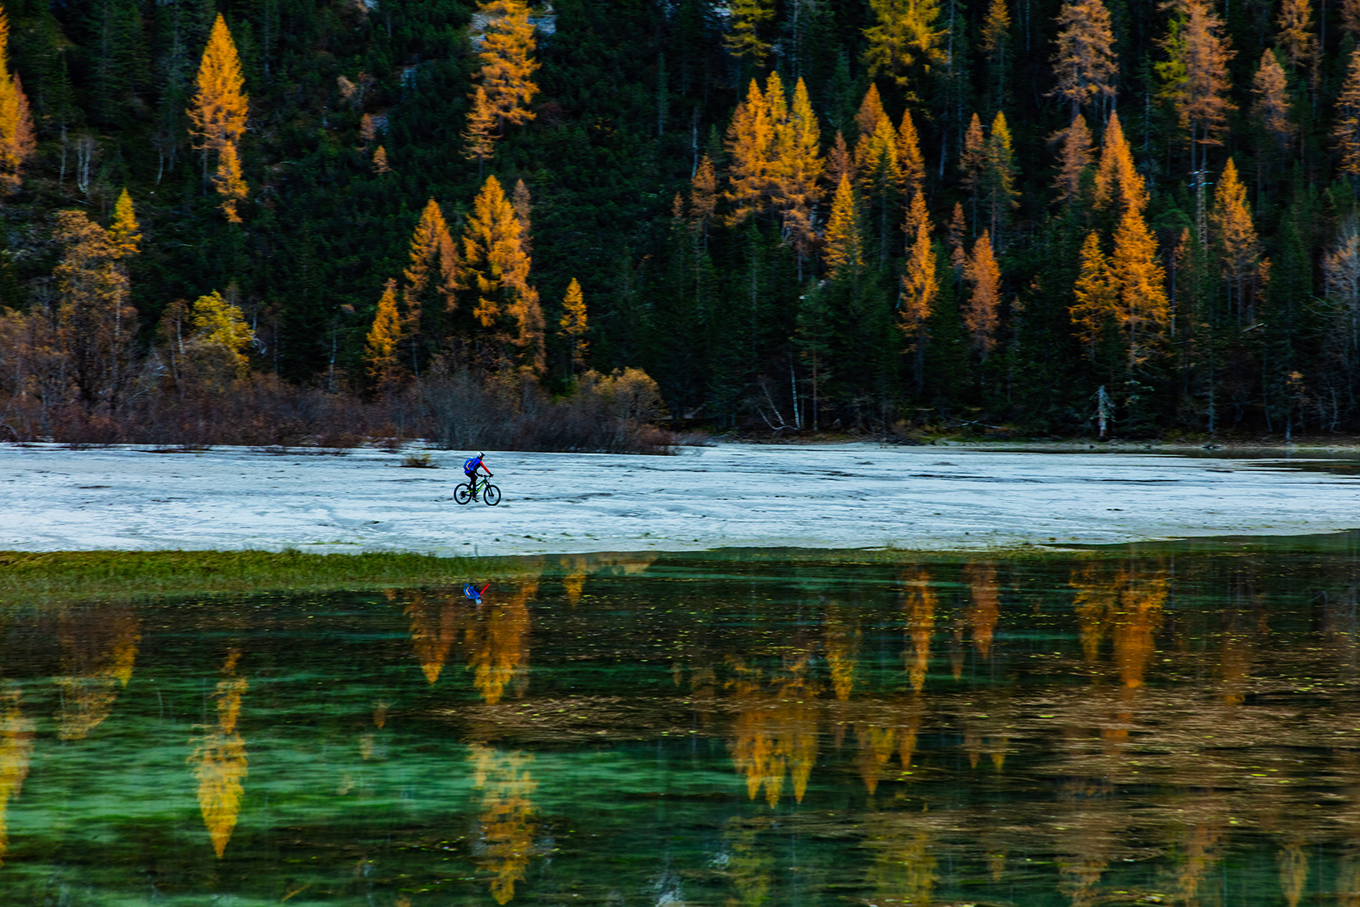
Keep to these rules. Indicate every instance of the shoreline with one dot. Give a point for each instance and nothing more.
(857, 495)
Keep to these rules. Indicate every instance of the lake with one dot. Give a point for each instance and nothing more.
(1149, 724)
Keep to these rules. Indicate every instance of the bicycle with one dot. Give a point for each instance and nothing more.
(490, 493)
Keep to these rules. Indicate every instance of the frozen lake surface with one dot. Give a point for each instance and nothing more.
(858, 495)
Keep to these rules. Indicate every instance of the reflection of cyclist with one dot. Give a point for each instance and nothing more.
(470, 470)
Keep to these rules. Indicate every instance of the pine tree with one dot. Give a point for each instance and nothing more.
(749, 18)
(495, 269)
(380, 347)
(508, 67)
(573, 325)
(124, 232)
(218, 110)
(1084, 61)
(844, 254)
(904, 32)
(17, 139)
(1346, 127)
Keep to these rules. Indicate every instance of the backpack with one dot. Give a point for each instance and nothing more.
(471, 465)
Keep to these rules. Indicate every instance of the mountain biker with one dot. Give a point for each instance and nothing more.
(470, 470)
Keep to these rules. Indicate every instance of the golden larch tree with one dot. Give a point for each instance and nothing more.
(380, 164)
(1272, 107)
(844, 253)
(380, 347)
(703, 196)
(999, 174)
(996, 40)
(479, 136)
(17, 140)
(1118, 182)
(743, 39)
(916, 300)
(904, 32)
(495, 269)
(1346, 127)
(220, 329)
(1084, 62)
(750, 146)
(1196, 76)
(1236, 243)
(1074, 157)
(1350, 17)
(229, 183)
(431, 284)
(219, 107)
(97, 323)
(973, 158)
(840, 162)
(909, 157)
(125, 232)
(981, 312)
(508, 66)
(869, 114)
(1095, 297)
(1296, 38)
(573, 325)
(797, 169)
(1144, 309)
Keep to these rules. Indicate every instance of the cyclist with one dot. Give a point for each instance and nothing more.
(470, 470)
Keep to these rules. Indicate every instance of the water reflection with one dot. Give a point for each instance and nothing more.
(219, 759)
(1149, 728)
(16, 752)
(98, 651)
(505, 821)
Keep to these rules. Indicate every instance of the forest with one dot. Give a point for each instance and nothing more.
(572, 226)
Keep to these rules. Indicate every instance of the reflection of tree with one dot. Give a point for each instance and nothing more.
(219, 759)
(98, 650)
(776, 727)
(498, 644)
(842, 638)
(434, 624)
(984, 609)
(505, 824)
(1124, 606)
(905, 869)
(1293, 860)
(918, 606)
(881, 734)
(16, 750)
(748, 865)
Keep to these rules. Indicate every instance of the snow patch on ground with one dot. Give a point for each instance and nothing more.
(732, 495)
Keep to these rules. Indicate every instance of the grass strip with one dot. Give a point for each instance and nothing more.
(45, 576)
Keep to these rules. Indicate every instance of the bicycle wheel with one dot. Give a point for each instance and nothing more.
(462, 494)
(492, 495)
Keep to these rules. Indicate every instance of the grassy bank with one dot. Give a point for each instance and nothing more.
(27, 576)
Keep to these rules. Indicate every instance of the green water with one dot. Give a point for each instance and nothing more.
(1168, 724)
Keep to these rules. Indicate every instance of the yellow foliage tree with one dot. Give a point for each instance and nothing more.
(495, 268)
(573, 325)
(380, 348)
(920, 289)
(431, 285)
(750, 144)
(1346, 127)
(904, 32)
(220, 326)
(1236, 242)
(981, 313)
(97, 324)
(909, 158)
(1075, 158)
(124, 232)
(479, 138)
(1144, 309)
(229, 183)
(844, 253)
(219, 105)
(1083, 60)
(748, 17)
(17, 141)
(1117, 180)
(1095, 295)
(380, 164)
(797, 168)
(508, 66)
